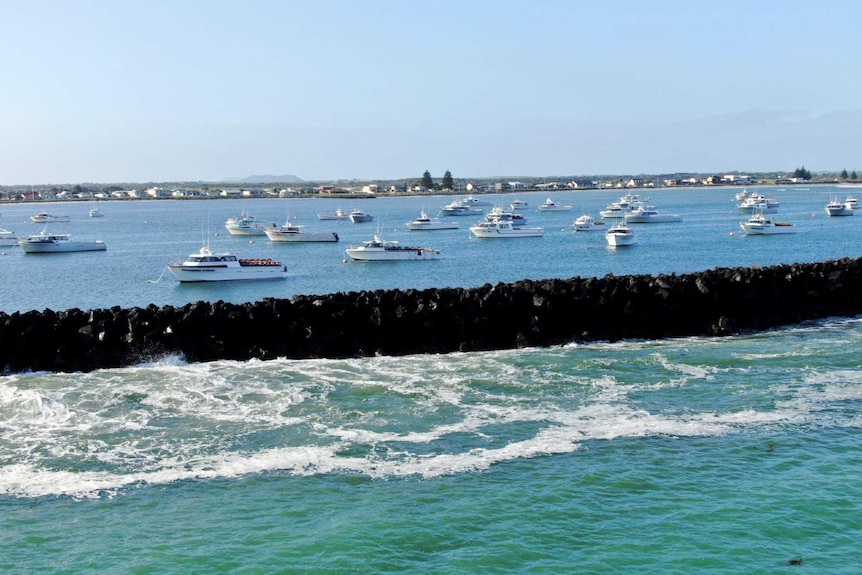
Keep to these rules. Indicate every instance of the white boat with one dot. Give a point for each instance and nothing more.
(760, 225)
(378, 250)
(643, 214)
(586, 223)
(550, 205)
(46, 218)
(45, 243)
(504, 229)
(338, 215)
(758, 203)
(621, 207)
(474, 202)
(290, 232)
(424, 222)
(246, 225)
(206, 266)
(457, 208)
(96, 213)
(499, 214)
(839, 208)
(518, 205)
(741, 195)
(620, 235)
(7, 238)
(357, 216)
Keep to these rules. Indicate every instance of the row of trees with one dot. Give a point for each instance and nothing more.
(445, 184)
(852, 175)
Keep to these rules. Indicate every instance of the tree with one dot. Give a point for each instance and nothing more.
(427, 182)
(802, 173)
(447, 184)
(853, 175)
(844, 174)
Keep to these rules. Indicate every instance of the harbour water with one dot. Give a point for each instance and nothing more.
(730, 455)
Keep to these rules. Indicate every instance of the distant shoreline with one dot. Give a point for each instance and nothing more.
(361, 196)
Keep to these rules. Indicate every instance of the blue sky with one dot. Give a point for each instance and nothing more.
(114, 91)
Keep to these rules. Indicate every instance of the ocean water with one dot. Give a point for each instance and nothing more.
(730, 455)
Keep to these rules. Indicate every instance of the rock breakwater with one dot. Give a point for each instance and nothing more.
(717, 302)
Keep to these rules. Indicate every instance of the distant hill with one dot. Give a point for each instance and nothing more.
(263, 179)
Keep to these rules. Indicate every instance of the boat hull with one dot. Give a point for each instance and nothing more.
(291, 237)
(515, 232)
(754, 230)
(633, 218)
(392, 255)
(247, 231)
(204, 274)
(430, 226)
(838, 211)
(50, 248)
(617, 241)
(357, 219)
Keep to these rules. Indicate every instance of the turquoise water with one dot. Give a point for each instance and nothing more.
(731, 455)
(721, 456)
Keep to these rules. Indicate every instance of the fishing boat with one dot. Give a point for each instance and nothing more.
(291, 232)
(246, 225)
(45, 243)
(835, 207)
(207, 266)
(96, 213)
(47, 218)
(550, 205)
(518, 205)
(379, 250)
(457, 208)
(620, 235)
(504, 229)
(357, 216)
(643, 214)
(7, 238)
(425, 222)
(761, 225)
(586, 223)
(338, 215)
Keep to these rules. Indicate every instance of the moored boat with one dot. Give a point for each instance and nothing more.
(96, 213)
(47, 218)
(246, 225)
(207, 266)
(425, 222)
(457, 208)
(518, 205)
(379, 249)
(761, 225)
(586, 223)
(8, 238)
(504, 229)
(357, 216)
(550, 205)
(338, 215)
(620, 235)
(835, 207)
(291, 232)
(758, 203)
(643, 214)
(45, 243)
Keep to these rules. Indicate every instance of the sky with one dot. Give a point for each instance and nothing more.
(107, 91)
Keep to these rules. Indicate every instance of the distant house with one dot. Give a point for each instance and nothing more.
(635, 183)
(157, 192)
(230, 193)
(738, 179)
